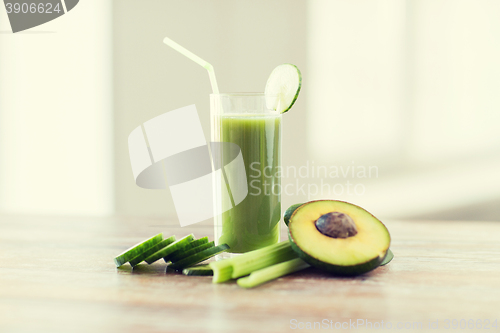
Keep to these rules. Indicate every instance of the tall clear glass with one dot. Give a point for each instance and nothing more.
(242, 119)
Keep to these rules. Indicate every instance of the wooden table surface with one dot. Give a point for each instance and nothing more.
(57, 275)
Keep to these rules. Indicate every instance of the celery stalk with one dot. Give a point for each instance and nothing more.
(272, 272)
(246, 264)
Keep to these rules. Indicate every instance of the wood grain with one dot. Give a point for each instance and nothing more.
(57, 275)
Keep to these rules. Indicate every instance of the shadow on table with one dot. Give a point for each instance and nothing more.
(145, 269)
(313, 273)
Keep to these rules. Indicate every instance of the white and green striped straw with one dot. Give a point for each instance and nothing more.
(196, 59)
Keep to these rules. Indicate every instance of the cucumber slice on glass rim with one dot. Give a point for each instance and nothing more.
(283, 87)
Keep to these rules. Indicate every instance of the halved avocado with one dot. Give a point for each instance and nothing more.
(338, 237)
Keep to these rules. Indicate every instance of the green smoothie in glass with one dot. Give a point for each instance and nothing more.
(244, 120)
(246, 186)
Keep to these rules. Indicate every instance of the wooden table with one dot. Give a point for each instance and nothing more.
(57, 275)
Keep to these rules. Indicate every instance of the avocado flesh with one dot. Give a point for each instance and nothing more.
(353, 255)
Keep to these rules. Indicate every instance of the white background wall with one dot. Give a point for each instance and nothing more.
(56, 114)
(412, 87)
(414, 77)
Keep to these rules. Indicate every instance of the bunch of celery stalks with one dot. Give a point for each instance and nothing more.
(262, 265)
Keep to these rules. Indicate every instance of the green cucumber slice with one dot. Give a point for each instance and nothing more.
(140, 258)
(137, 249)
(169, 249)
(198, 270)
(178, 253)
(388, 257)
(283, 87)
(199, 257)
(195, 250)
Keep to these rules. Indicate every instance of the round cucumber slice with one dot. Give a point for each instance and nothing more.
(283, 87)
(200, 270)
(137, 249)
(199, 257)
(192, 251)
(169, 249)
(140, 258)
(174, 256)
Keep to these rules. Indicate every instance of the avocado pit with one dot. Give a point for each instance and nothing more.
(336, 225)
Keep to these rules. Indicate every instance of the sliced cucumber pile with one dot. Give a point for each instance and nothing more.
(182, 253)
(137, 249)
(176, 255)
(169, 249)
(199, 257)
(195, 250)
(155, 248)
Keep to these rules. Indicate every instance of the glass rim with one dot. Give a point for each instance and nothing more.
(243, 97)
(242, 94)
(272, 114)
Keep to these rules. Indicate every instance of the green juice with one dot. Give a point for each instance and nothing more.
(254, 222)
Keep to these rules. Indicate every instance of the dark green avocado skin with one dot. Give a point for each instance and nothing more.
(335, 269)
(289, 212)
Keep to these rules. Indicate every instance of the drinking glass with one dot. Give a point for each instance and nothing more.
(247, 191)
